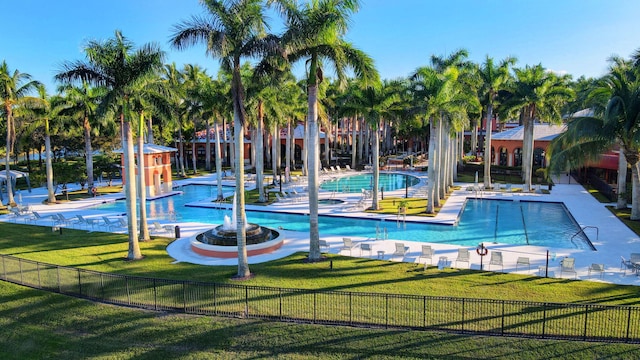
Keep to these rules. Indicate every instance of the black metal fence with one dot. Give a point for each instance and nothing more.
(497, 317)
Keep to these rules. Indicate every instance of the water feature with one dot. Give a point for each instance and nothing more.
(227, 234)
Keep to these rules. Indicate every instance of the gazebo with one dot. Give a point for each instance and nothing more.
(157, 168)
(14, 175)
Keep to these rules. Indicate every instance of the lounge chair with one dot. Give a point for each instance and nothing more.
(365, 247)
(627, 264)
(348, 167)
(401, 250)
(324, 245)
(86, 222)
(523, 261)
(597, 268)
(635, 258)
(463, 256)
(496, 259)
(568, 265)
(65, 220)
(35, 216)
(427, 253)
(112, 224)
(157, 227)
(347, 244)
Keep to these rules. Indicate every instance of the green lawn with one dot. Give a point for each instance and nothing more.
(40, 325)
(105, 252)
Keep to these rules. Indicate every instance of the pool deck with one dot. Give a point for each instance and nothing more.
(612, 238)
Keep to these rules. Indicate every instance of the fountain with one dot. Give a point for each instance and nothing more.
(222, 241)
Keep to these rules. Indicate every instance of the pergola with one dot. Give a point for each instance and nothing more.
(14, 175)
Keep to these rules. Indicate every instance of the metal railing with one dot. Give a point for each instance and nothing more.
(591, 322)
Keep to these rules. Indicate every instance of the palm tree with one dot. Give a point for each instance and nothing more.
(115, 65)
(314, 33)
(231, 30)
(494, 78)
(536, 94)
(80, 103)
(14, 88)
(588, 137)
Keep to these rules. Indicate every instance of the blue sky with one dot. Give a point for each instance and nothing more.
(568, 36)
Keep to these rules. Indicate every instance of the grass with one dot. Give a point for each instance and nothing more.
(106, 252)
(39, 325)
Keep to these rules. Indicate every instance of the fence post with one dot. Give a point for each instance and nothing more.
(215, 299)
(184, 296)
(155, 295)
(38, 270)
(462, 322)
(280, 298)
(586, 313)
(350, 308)
(424, 311)
(126, 283)
(314, 306)
(386, 311)
(20, 267)
(4, 267)
(246, 301)
(628, 324)
(102, 285)
(502, 329)
(544, 318)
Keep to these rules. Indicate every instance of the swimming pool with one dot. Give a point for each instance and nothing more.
(482, 220)
(355, 183)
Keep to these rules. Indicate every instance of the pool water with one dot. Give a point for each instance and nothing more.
(507, 222)
(355, 183)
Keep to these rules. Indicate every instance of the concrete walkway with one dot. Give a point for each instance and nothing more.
(612, 238)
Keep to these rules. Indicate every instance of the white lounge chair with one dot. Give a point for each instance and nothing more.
(427, 253)
(568, 265)
(523, 261)
(463, 256)
(324, 245)
(597, 268)
(627, 264)
(86, 222)
(365, 247)
(157, 227)
(496, 259)
(401, 250)
(347, 244)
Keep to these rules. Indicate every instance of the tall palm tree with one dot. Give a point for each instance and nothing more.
(315, 33)
(618, 122)
(80, 103)
(116, 65)
(494, 78)
(536, 94)
(14, 88)
(231, 30)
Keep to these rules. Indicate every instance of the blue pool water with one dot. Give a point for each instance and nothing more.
(355, 183)
(507, 222)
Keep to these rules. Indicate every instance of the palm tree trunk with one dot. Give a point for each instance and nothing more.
(260, 155)
(130, 193)
(238, 130)
(207, 148)
(622, 180)
(194, 160)
(274, 151)
(431, 173)
(527, 153)
(361, 131)
(142, 183)
(51, 197)
(89, 152)
(305, 150)
(474, 137)
(288, 145)
(487, 147)
(635, 196)
(181, 152)
(312, 121)
(376, 168)
(354, 155)
(218, 161)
